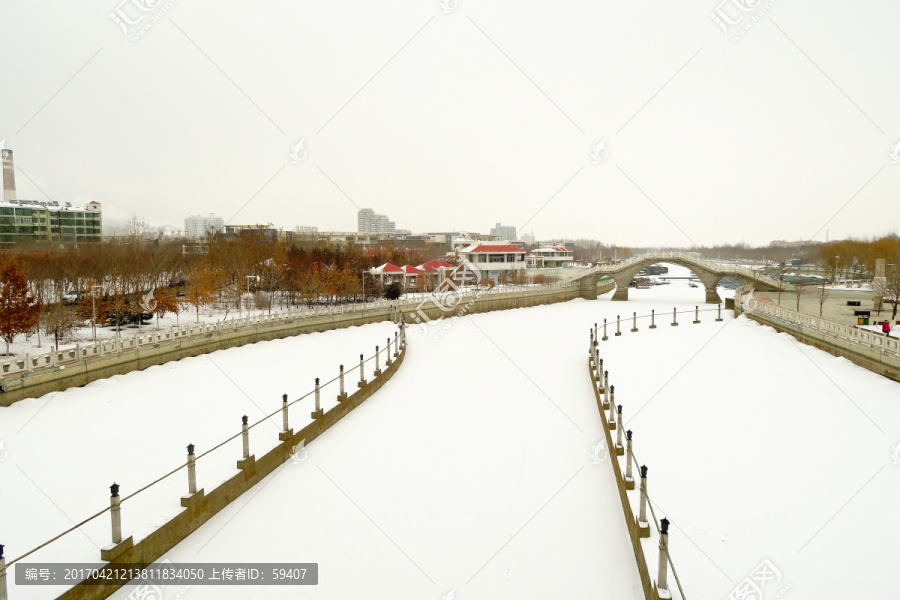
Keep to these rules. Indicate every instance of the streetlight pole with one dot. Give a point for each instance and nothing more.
(249, 277)
(95, 289)
(365, 300)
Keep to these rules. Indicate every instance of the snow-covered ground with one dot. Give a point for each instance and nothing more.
(472, 471)
(84, 335)
(33, 343)
(63, 450)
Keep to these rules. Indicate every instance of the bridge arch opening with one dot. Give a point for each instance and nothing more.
(709, 273)
(658, 275)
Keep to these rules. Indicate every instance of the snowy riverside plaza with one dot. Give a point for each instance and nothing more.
(481, 468)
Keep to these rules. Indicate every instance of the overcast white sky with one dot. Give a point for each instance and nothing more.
(457, 117)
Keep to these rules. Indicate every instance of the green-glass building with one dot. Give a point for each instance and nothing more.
(33, 221)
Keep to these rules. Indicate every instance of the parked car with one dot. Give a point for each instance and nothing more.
(72, 297)
(178, 284)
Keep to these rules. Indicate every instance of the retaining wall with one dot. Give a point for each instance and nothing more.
(879, 360)
(870, 359)
(122, 360)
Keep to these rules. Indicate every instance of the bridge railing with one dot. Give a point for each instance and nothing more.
(851, 334)
(695, 260)
(149, 338)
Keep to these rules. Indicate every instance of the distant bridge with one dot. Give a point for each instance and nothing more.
(708, 272)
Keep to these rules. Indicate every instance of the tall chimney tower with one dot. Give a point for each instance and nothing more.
(9, 176)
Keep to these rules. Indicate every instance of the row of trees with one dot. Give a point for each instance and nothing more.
(851, 259)
(131, 266)
(122, 280)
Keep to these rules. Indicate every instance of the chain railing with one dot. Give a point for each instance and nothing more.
(634, 476)
(399, 343)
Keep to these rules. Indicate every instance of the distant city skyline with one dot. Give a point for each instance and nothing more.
(756, 128)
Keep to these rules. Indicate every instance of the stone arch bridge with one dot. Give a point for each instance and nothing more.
(708, 272)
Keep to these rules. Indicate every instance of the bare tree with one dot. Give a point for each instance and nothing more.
(822, 294)
(59, 321)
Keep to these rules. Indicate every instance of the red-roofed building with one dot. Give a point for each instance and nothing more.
(494, 258)
(388, 273)
(410, 273)
(435, 266)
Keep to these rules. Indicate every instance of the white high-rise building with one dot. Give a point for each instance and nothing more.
(199, 226)
(368, 222)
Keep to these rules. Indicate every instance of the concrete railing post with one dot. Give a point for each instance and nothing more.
(652, 319)
(594, 334)
(3, 593)
(342, 395)
(387, 354)
(696, 314)
(620, 450)
(318, 413)
(618, 325)
(597, 361)
(674, 317)
(629, 458)
(115, 512)
(642, 514)
(362, 376)
(719, 318)
(377, 368)
(591, 348)
(661, 583)
(612, 407)
(192, 470)
(604, 331)
(605, 389)
(396, 345)
(600, 379)
(284, 412)
(634, 323)
(245, 437)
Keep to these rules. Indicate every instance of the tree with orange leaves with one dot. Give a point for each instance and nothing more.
(202, 287)
(164, 301)
(19, 310)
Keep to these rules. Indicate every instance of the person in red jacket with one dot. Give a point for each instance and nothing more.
(886, 328)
